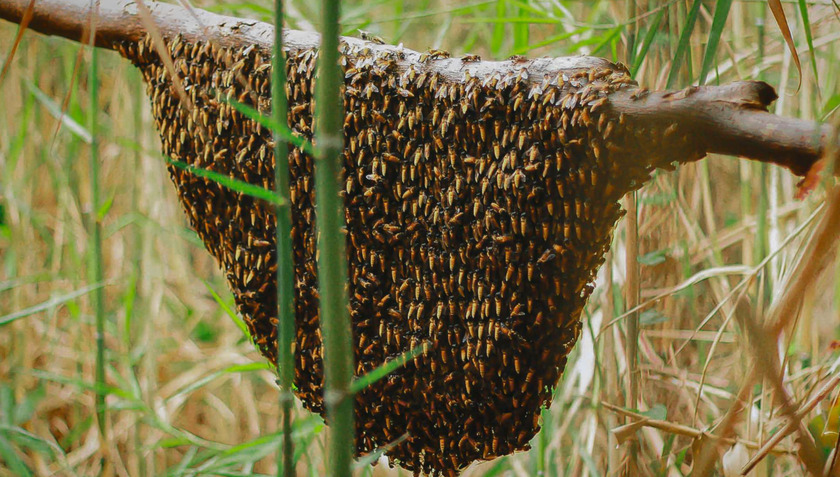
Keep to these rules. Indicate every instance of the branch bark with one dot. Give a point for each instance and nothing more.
(730, 119)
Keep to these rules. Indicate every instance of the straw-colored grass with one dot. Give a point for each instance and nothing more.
(718, 244)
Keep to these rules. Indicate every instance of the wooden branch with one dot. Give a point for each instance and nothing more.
(730, 119)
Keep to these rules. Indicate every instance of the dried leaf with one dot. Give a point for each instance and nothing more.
(628, 431)
(734, 460)
(810, 181)
(781, 20)
(24, 22)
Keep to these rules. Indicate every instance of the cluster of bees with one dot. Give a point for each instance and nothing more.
(477, 214)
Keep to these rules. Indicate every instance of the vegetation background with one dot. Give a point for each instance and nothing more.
(187, 393)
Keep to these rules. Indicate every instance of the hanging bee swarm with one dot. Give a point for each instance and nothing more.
(477, 210)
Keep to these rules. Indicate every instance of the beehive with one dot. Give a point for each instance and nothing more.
(478, 211)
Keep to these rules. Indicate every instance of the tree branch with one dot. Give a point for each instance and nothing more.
(730, 119)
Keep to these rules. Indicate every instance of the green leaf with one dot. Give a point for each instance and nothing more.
(498, 38)
(171, 442)
(611, 35)
(373, 456)
(230, 313)
(548, 41)
(683, 43)
(9, 456)
(518, 21)
(205, 332)
(806, 22)
(104, 208)
(26, 408)
(650, 35)
(718, 23)
(652, 317)
(55, 111)
(51, 303)
(28, 440)
(229, 182)
(387, 368)
(237, 368)
(830, 107)
(269, 123)
(657, 411)
(653, 258)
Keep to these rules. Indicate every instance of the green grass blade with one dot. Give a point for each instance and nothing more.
(229, 182)
(548, 41)
(608, 39)
(517, 21)
(9, 456)
(521, 32)
(234, 317)
(55, 111)
(386, 368)
(51, 303)
(718, 23)
(498, 38)
(271, 124)
(809, 37)
(683, 43)
(234, 369)
(372, 457)
(632, 31)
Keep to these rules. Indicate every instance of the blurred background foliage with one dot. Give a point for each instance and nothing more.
(187, 393)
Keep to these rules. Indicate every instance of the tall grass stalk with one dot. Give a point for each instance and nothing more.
(632, 269)
(136, 305)
(96, 233)
(332, 266)
(285, 264)
(632, 289)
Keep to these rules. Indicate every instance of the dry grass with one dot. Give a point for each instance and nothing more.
(719, 243)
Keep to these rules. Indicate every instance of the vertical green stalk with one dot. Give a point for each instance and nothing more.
(631, 31)
(631, 245)
(683, 52)
(762, 243)
(632, 268)
(521, 30)
(718, 24)
(498, 37)
(138, 98)
(332, 262)
(283, 236)
(96, 232)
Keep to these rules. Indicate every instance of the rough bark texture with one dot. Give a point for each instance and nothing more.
(728, 120)
(480, 199)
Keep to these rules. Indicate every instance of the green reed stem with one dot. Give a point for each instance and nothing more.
(285, 265)
(332, 264)
(96, 236)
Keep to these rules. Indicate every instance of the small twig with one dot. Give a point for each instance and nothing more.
(791, 424)
(704, 461)
(160, 46)
(681, 430)
(24, 22)
(819, 253)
